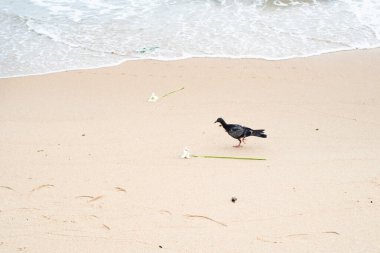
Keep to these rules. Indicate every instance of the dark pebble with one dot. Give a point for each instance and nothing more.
(233, 199)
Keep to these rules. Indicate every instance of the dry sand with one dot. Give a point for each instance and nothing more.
(88, 165)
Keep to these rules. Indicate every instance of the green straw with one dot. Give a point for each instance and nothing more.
(229, 157)
(167, 94)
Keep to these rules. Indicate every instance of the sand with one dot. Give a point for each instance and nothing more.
(87, 164)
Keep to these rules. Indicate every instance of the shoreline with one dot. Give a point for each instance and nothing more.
(87, 163)
(198, 57)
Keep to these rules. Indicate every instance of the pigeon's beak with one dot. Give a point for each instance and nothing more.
(215, 122)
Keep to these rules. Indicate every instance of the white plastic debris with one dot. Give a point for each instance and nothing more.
(153, 98)
(186, 153)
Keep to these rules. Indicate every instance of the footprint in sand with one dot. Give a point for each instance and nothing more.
(120, 189)
(6, 187)
(41, 187)
(91, 198)
(106, 227)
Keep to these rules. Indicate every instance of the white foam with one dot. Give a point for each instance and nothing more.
(368, 13)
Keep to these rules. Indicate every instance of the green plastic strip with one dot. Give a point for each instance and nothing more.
(229, 157)
(167, 94)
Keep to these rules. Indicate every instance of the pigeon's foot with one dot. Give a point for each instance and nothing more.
(237, 146)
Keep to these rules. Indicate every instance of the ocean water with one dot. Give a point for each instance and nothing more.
(42, 36)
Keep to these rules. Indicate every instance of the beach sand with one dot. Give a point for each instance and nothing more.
(89, 165)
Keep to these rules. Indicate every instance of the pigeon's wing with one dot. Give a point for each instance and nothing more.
(236, 131)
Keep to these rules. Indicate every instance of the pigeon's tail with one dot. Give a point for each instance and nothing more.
(258, 133)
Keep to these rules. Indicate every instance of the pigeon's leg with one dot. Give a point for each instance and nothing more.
(237, 146)
(243, 139)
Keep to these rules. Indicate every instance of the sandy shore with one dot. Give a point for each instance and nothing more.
(88, 165)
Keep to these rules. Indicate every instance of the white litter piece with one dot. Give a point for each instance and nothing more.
(186, 153)
(153, 98)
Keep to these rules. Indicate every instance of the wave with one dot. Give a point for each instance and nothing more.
(47, 36)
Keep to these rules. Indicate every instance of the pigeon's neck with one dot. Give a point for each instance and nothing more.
(224, 124)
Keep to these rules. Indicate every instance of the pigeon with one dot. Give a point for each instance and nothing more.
(240, 132)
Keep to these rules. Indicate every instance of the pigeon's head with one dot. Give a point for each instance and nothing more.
(220, 120)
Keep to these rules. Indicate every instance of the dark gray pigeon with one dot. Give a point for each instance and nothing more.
(240, 132)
